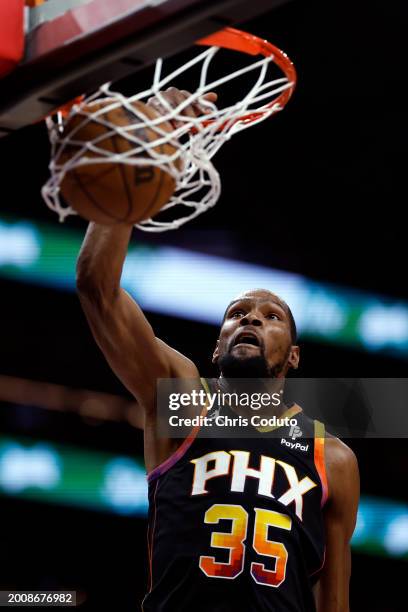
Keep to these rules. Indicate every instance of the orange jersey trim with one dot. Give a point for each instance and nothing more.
(319, 459)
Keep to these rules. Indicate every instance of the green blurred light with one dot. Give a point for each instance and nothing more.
(66, 475)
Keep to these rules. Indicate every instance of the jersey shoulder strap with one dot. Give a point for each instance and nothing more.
(319, 457)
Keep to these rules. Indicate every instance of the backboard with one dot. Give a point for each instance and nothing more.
(73, 46)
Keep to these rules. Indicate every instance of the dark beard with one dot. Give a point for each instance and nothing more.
(252, 367)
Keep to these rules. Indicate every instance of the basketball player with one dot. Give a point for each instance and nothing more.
(235, 525)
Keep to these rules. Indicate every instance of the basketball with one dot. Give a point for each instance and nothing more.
(110, 193)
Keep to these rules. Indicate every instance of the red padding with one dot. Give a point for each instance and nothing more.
(11, 34)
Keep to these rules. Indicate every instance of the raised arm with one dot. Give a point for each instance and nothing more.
(119, 326)
(332, 592)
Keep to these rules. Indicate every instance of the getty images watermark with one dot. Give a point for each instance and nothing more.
(238, 408)
(211, 404)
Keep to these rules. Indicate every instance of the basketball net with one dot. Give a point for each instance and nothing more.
(194, 141)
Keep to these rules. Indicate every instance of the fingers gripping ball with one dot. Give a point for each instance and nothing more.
(110, 192)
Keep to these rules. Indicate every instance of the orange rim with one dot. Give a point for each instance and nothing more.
(236, 40)
(65, 109)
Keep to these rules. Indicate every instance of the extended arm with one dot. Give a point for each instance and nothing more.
(332, 593)
(118, 324)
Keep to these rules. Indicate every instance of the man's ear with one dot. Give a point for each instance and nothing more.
(294, 357)
(216, 353)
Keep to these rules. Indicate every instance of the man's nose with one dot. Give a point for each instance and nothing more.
(251, 319)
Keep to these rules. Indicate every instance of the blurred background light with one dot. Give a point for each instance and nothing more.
(67, 475)
(169, 281)
(23, 468)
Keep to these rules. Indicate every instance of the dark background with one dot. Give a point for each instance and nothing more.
(318, 190)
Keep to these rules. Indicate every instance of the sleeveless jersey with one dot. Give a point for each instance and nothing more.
(236, 525)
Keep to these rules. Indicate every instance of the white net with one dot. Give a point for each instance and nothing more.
(192, 143)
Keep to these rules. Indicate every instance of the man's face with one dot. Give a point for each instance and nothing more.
(255, 338)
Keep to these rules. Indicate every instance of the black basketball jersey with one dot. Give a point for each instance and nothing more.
(235, 524)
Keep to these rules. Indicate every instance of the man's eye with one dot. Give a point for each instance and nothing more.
(236, 313)
(273, 315)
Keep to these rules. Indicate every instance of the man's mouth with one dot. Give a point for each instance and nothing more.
(246, 338)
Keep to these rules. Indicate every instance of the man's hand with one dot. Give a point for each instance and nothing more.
(174, 97)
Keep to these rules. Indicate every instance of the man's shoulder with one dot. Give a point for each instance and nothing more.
(337, 453)
(342, 470)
